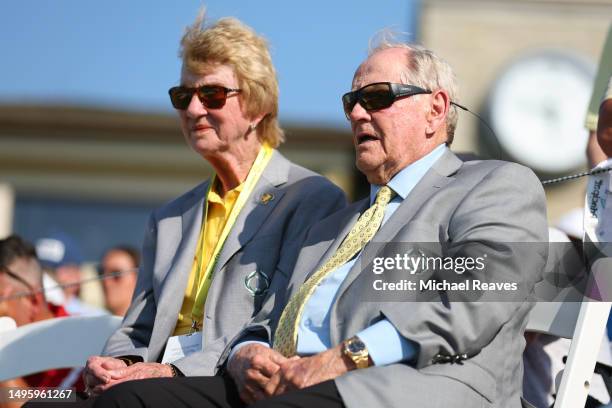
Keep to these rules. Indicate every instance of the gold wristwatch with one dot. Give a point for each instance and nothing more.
(356, 350)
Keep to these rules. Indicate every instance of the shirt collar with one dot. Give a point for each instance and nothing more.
(215, 197)
(405, 180)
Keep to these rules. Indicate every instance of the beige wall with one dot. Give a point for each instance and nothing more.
(481, 37)
(7, 203)
(79, 153)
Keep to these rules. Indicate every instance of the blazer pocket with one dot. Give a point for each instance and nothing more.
(468, 373)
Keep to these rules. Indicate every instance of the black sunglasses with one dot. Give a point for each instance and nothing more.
(378, 95)
(211, 96)
(114, 273)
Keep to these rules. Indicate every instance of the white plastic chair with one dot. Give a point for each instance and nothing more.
(7, 323)
(56, 343)
(582, 322)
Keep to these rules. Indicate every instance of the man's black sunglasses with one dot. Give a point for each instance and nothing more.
(378, 95)
(211, 96)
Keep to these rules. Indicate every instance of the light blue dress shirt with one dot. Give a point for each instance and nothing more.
(385, 344)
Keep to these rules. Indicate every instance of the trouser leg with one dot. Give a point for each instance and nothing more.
(322, 395)
(81, 402)
(206, 392)
(200, 392)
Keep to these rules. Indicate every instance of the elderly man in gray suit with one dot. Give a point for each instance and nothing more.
(331, 342)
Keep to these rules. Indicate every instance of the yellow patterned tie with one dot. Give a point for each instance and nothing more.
(285, 338)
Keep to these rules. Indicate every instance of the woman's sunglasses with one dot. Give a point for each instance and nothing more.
(211, 96)
(378, 95)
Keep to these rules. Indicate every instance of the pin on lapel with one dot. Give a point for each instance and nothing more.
(266, 198)
(257, 283)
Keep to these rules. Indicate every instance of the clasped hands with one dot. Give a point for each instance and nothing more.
(101, 373)
(257, 370)
(261, 372)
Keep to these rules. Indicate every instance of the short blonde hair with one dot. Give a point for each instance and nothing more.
(427, 70)
(230, 42)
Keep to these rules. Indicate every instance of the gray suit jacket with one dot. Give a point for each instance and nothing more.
(468, 209)
(265, 238)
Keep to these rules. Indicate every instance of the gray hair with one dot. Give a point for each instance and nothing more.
(427, 70)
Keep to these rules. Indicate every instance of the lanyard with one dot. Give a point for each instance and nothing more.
(204, 280)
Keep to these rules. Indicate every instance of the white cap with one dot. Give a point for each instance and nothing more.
(53, 293)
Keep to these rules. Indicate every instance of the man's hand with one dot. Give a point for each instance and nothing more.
(251, 368)
(306, 371)
(97, 373)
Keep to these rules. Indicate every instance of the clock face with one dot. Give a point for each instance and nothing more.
(538, 107)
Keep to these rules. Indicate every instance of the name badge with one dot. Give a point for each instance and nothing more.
(178, 347)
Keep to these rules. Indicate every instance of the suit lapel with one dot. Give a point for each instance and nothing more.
(174, 282)
(346, 224)
(437, 177)
(192, 210)
(262, 201)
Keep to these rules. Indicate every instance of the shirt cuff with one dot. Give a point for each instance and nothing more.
(386, 345)
(241, 345)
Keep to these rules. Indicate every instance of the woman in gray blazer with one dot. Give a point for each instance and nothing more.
(212, 256)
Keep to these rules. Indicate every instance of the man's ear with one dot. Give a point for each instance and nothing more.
(38, 305)
(38, 300)
(438, 109)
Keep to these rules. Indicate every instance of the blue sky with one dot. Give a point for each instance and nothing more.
(123, 54)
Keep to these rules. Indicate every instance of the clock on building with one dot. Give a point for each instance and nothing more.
(537, 108)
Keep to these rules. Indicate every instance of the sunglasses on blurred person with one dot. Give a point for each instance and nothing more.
(211, 96)
(379, 95)
(113, 273)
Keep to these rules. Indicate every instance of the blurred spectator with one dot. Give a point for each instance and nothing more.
(16, 299)
(604, 125)
(118, 270)
(19, 280)
(61, 255)
(23, 299)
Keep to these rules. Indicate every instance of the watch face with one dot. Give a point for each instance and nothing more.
(537, 109)
(355, 346)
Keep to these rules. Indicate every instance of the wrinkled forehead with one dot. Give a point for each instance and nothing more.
(118, 256)
(389, 65)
